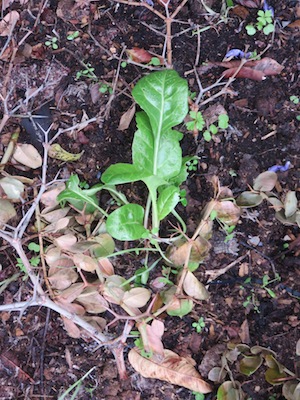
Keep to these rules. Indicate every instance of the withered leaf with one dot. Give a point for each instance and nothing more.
(194, 288)
(174, 369)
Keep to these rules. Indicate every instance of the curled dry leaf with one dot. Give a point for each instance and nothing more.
(253, 69)
(227, 212)
(174, 369)
(136, 297)
(142, 56)
(179, 252)
(86, 263)
(13, 188)
(7, 211)
(27, 155)
(194, 288)
(69, 295)
(8, 23)
(151, 336)
(113, 291)
(51, 215)
(57, 152)
(65, 242)
(126, 118)
(59, 225)
(63, 278)
(71, 307)
(49, 198)
(106, 267)
(71, 328)
(92, 301)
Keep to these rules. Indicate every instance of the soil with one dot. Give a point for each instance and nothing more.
(38, 358)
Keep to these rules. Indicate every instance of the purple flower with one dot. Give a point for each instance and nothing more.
(280, 168)
(237, 54)
(266, 7)
(150, 2)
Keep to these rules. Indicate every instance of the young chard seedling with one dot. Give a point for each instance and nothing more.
(156, 154)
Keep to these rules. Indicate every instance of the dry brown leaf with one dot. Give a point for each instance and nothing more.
(71, 328)
(194, 288)
(65, 242)
(126, 118)
(26, 154)
(63, 278)
(8, 23)
(151, 336)
(106, 267)
(49, 198)
(51, 215)
(92, 301)
(174, 369)
(7, 211)
(227, 212)
(86, 263)
(142, 56)
(136, 297)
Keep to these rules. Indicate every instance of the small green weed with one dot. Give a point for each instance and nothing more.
(34, 261)
(295, 99)
(105, 88)
(264, 23)
(88, 72)
(73, 35)
(52, 42)
(198, 123)
(200, 325)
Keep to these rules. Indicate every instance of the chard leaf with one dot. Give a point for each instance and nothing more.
(167, 201)
(126, 223)
(78, 197)
(163, 96)
(120, 173)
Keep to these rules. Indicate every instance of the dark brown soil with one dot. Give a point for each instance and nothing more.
(35, 341)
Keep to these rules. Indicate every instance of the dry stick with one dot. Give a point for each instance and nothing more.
(168, 20)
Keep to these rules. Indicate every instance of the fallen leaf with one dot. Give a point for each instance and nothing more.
(136, 297)
(12, 187)
(194, 288)
(8, 23)
(9, 361)
(63, 278)
(71, 328)
(151, 336)
(58, 153)
(86, 263)
(143, 56)
(174, 369)
(7, 211)
(126, 118)
(28, 155)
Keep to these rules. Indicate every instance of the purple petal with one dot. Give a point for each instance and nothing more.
(266, 7)
(235, 53)
(280, 168)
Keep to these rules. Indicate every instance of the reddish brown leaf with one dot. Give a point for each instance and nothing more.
(174, 369)
(142, 56)
(244, 72)
(9, 361)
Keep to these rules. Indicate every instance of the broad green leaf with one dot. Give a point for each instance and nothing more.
(167, 201)
(78, 197)
(126, 223)
(163, 95)
(123, 173)
(143, 144)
